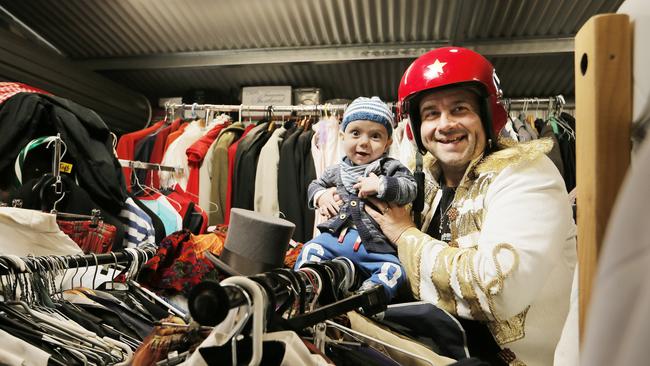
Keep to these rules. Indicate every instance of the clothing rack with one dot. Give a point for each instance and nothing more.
(534, 102)
(261, 108)
(75, 261)
(148, 166)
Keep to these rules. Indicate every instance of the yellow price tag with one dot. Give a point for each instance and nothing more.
(65, 167)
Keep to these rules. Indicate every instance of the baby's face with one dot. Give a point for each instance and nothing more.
(365, 141)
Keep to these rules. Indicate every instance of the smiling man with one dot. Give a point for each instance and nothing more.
(497, 244)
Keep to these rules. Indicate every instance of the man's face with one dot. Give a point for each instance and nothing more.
(451, 128)
(365, 141)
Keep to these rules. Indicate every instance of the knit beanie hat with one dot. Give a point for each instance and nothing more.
(370, 109)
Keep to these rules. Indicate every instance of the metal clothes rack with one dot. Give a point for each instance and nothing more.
(533, 102)
(76, 261)
(258, 108)
(261, 108)
(133, 164)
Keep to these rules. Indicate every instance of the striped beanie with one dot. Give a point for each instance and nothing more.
(370, 109)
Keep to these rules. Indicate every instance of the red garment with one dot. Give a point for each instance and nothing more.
(157, 152)
(126, 147)
(9, 89)
(90, 239)
(232, 150)
(177, 266)
(174, 135)
(184, 199)
(195, 155)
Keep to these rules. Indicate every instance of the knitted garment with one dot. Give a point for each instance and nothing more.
(368, 109)
(351, 173)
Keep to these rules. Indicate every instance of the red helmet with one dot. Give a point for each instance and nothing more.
(449, 66)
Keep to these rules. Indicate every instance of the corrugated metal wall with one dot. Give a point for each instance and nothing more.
(97, 34)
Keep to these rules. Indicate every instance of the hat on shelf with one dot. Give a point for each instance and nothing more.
(255, 243)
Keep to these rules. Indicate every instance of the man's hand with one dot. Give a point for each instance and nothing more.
(329, 203)
(392, 219)
(368, 186)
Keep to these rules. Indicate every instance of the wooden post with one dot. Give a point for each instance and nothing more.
(603, 64)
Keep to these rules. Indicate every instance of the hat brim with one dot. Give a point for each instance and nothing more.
(221, 265)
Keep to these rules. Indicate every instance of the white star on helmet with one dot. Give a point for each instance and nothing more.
(434, 70)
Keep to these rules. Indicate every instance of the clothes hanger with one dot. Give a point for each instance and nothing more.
(354, 334)
(258, 314)
(371, 301)
(64, 331)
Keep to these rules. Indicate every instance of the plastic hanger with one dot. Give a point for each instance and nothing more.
(258, 315)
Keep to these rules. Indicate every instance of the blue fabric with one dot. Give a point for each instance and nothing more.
(381, 268)
(369, 109)
(166, 215)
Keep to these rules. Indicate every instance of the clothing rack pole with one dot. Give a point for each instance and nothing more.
(262, 108)
(149, 166)
(530, 100)
(258, 108)
(79, 261)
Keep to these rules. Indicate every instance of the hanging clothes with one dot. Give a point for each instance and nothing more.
(232, 158)
(163, 209)
(86, 136)
(175, 135)
(156, 222)
(288, 183)
(195, 154)
(326, 150)
(140, 227)
(176, 156)
(75, 200)
(521, 130)
(266, 177)
(90, 238)
(212, 194)
(127, 143)
(158, 150)
(307, 174)
(32, 232)
(555, 154)
(567, 142)
(246, 166)
(195, 219)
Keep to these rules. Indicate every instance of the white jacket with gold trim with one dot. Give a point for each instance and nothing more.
(513, 250)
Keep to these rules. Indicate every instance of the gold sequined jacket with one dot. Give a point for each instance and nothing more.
(512, 254)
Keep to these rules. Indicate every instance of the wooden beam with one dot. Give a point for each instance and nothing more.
(603, 62)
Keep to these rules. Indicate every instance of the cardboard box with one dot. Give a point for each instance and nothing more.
(265, 96)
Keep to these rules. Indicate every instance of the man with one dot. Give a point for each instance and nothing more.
(497, 243)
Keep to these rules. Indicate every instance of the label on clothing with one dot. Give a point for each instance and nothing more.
(65, 167)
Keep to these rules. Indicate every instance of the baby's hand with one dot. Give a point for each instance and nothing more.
(368, 186)
(329, 203)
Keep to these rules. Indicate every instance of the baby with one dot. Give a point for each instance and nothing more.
(365, 171)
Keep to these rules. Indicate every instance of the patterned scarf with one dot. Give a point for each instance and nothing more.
(350, 173)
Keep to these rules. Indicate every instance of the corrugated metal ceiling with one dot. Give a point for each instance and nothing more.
(95, 29)
(553, 75)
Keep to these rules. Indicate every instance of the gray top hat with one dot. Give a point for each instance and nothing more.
(255, 243)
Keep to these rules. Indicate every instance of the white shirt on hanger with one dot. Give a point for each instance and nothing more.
(266, 176)
(176, 156)
(26, 232)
